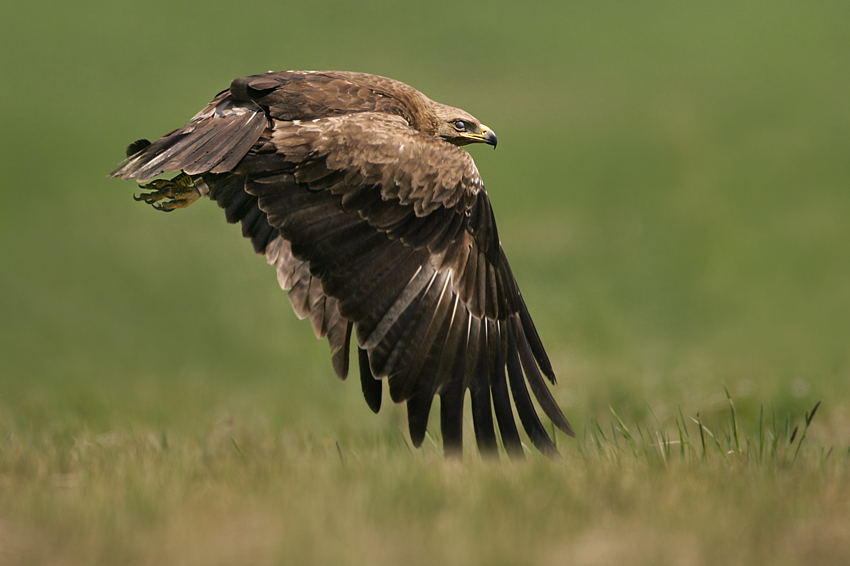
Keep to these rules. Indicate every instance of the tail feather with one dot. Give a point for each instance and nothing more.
(214, 141)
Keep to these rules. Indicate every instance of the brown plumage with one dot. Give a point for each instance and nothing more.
(353, 186)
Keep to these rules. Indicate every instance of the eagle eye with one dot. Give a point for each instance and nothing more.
(460, 125)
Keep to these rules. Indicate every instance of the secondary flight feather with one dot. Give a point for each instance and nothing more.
(355, 188)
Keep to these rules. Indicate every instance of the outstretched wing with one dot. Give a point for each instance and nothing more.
(377, 227)
(398, 228)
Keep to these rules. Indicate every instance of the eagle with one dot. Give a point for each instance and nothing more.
(356, 189)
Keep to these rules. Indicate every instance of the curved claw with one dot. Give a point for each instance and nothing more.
(178, 192)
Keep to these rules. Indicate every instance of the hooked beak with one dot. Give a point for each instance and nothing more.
(487, 136)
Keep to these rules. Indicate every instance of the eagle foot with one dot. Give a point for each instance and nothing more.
(178, 192)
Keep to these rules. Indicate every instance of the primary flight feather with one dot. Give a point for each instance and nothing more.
(355, 188)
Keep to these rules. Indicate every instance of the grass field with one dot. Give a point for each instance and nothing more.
(671, 187)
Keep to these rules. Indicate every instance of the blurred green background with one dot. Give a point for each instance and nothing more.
(671, 187)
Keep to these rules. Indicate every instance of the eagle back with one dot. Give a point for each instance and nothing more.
(307, 95)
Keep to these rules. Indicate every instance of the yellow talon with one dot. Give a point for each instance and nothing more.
(178, 192)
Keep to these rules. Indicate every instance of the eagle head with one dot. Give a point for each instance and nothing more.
(461, 128)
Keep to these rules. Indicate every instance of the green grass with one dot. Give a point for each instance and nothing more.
(671, 187)
(242, 491)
